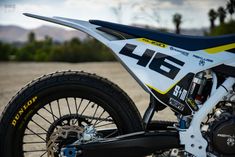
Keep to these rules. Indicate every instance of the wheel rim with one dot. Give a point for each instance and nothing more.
(80, 111)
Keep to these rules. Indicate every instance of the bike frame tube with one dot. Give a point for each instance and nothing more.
(192, 137)
(215, 83)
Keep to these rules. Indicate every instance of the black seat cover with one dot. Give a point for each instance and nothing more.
(191, 43)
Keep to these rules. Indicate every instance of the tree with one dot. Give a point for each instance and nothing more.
(231, 7)
(212, 16)
(221, 14)
(31, 37)
(177, 20)
(5, 51)
(226, 28)
(48, 40)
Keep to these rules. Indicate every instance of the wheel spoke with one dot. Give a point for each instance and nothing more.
(58, 105)
(76, 105)
(96, 118)
(39, 125)
(43, 154)
(37, 134)
(102, 120)
(94, 113)
(85, 107)
(99, 117)
(33, 142)
(68, 106)
(103, 125)
(79, 105)
(43, 118)
(111, 134)
(52, 112)
(34, 134)
(40, 150)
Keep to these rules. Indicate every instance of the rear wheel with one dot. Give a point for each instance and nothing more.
(67, 101)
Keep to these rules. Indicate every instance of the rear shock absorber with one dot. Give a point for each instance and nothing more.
(195, 93)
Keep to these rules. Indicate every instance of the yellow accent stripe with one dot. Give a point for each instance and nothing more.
(220, 48)
(159, 91)
(152, 42)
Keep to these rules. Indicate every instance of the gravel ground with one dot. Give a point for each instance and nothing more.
(13, 76)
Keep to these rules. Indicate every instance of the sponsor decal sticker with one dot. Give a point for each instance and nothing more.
(152, 42)
(202, 60)
(22, 110)
(176, 104)
(158, 63)
(180, 51)
(180, 92)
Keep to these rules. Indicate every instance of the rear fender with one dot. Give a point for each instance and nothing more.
(108, 38)
(83, 26)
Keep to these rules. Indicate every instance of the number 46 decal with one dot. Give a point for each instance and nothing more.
(158, 62)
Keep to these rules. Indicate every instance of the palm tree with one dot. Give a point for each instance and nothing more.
(31, 37)
(221, 14)
(231, 7)
(212, 16)
(177, 20)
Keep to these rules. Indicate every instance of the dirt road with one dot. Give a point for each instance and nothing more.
(13, 76)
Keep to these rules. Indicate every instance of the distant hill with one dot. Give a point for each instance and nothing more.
(12, 33)
(194, 31)
(189, 31)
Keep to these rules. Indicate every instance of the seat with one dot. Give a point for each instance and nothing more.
(190, 43)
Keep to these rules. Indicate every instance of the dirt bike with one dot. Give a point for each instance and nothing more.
(77, 114)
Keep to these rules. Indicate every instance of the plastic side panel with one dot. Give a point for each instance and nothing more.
(159, 66)
(231, 64)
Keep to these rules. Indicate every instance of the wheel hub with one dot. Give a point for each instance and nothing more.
(65, 131)
(55, 142)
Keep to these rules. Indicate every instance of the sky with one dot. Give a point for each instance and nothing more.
(156, 13)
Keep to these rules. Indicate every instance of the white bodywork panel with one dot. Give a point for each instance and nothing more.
(158, 81)
(144, 75)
